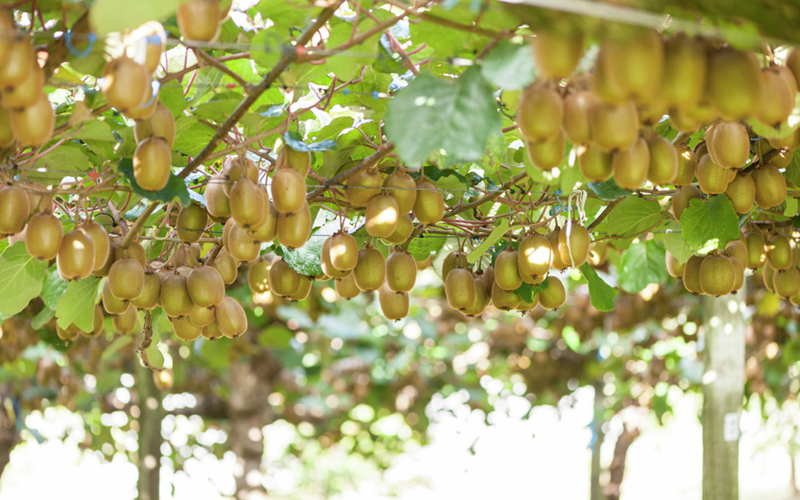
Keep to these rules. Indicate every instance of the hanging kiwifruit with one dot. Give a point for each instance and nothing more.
(786, 283)
(298, 160)
(553, 237)
(604, 87)
(126, 279)
(202, 316)
(175, 298)
(6, 131)
(124, 83)
(346, 287)
(540, 114)
(634, 61)
(343, 251)
(101, 243)
(777, 99)
(793, 63)
(226, 266)
(681, 121)
(150, 294)
(134, 251)
(488, 276)
(217, 202)
(109, 260)
(231, 318)
(27, 92)
(767, 275)
(779, 252)
(198, 20)
(615, 126)
(125, 323)
(554, 295)
(595, 164)
(506, 270)
(403, 188)
(459, 288)
(205, 287)
(729, 144)
(236, 167)
(742, 193)
(756, 250)
(381, 216)
(401, 271)
(711, 178)
(160, 124)
(528, 306)
(573, 244)
(192, 221)
(249, 205)
(7, 31)
(241, 246)
(770, 186)
(43, 236)
(69, 334)
(779, 159)
(577, 108)
(598, 253)
(681, 199)
(687, 165)
(370, 272)
(791, 141)
(33, 126)
(453, 260)
(394, 305)
(547, 154)
(481, 298)
(663, 160)
(184, 328)
(112, 304)
(288, 190)
(361, 186)
(402, 230)
(557, 52)
(294, 229)
(258, 276)
(691, 274)
(429, 205)
(716, 275)
(148, 105)
(18, 61)
(283, 280)
(674, 266)
(75, 259)
(738, 275)
(151, 164)
(268, 230)
(631, 165)
(327, 265)
(734, 83)
(737, 249)
(684, 78)
(151, 40)
(503, 299)
(211, 331)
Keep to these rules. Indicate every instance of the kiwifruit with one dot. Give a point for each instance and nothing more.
(126, 279)
(370, 272)
(557, 52)
(716, 275)
(403, 188)
(298, 160)
(402, 230)
(575, 250)
(134, 251)
(43, 236)
(192, 221)
(111, 304)
(459, 288)
(506, 270)
(27, 92)
(795, 299)
(283, 280)
(231, 318)
(198, 20)
(125, 323)
(793, 63)
(293, 230)
(217, 202)
(401, 271)
(681, 199)
(734, 83)
(777, 99)
(75, 259)
(674, 266)
(147, 107)
(361, 186)
(598, 253)
(18, 61)
(631, 165)
(540, 114)
(547, 154)
(729, 144)
(738, 275)
(577, 109)
(742, 193)
(327, 265)
(150, 294)
(711, 178)
(33, 126)
(343, 251)
(69, 334)
(770, 186)
(429, 205)
(532, 280)
(258, 276)
(160, 124)
(288, 190)
(779, 159)
(205, 287)
(779, 252)
(248, 205)
(663, 160)
(687, 165)
(691, 274)
(503, 299)
(241, 247)
(481, 298)
(6, 130)
(181, 256)
(595, 164)
(101, 243)
(346, 287)
(603, 86)
(453, 260)
(151, 164)
(554, 295)
(756, 250)
(175, 298)
(553, 237)
(634, 61)
(381, 216)
(684, 78)
(767, 275)
(151, 40)
(394, 305)
(236, 167)
(790, 142)
(488, 276)
(738, 250)
(7, 30)
(268, 229)
(201, 316)
(226, 266)
(786, 283)
(109, 260)
(650, 113)
(211, 331)
(39, 200)
(788, 77)
(125, 83)
(681, 121)
(186, 330)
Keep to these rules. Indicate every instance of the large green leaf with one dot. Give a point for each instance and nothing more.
(21, 278)
(424, 246)
(306, 260)
(601, 293)
(709, 224)
(495, 236)
(632, 216)
(53, 288)
(673, 240)
(432, 114)
(642, 263)
(77, 304)
(509, 66)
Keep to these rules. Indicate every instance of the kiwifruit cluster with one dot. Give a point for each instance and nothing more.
(26, 116)
(774, 255)
(199, 20)
(719, 272)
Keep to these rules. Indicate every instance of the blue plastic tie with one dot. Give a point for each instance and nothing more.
(346, 91)
(375, 94)
(80, 54)
(156, 86)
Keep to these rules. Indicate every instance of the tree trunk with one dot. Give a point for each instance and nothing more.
(599, 435)
(249, 413)
(8, 433)
(617, 469)
(723, 390)
(149, 456)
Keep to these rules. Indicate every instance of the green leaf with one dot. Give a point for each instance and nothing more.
(495, 236)
(422, 247)
(154, 356)
(673, 240)
(294, 140)
(792, 172)
(642, 263)
(527, 291)
(601, 294)
(121, 15)
(116, 346)
(41, 318)
(432, 114)
(709, 224)
(21, 278)
(53, 288)
(632, 216)
(790, 210)
(306, 260)
(275, 336)
(175, 188)
(77, 304)
(608, 190)
(509, 66)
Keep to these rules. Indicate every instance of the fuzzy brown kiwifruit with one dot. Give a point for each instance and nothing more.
(211, 331)
(482, 298)
(403, 188)
(258, 276)
(557, 52)
(687, 165)
(268, 229)
(75, 259)
(734, 83)
(540, 114)
(547, 154)
(770, 186)
(504, 299)
(202, 316)
(18, 58)
(236, 167)
(240, 246)
(6, 131)
(737, 249)
(402, 230)
(283, 280)
(684, 78)
(186, 330)
(786, 283)
(370, 272)
(150, 294)
(595, 164)
(756, 250)
(192, 221)
(7, 31)
(198, 20)
(231, 318)
(663, 160)
(33, 126)
(631, 165)
(453, 260)
(394, 305)
(681, 199)
(598, 253)
(362, 186)
(573, 244)
(101, 243)
(343, 251)
(381, 216)
(401, 271)
(152, 163)
(429, 205)
(125, 323)
(298, 160)
(779, 252)
(294, 229)
(175, 298)
(43, 236)
(777, 98)
(691, 274)
(160, 124)
(125, 83)
(615, 127)
(717, 275)
(506, 270)
(205, 286)
(711, 178)
(27, 92)
(111, 304)
(634, 61)
(150, 39)
(577, 110)
(217, 202)
(126, 279)
(553, 237)
(226, 266)
(460, 288)
(729, 144)
(742, 193)
(249, 204)
(288, 190)
(346, 287)
(674, 266)
(554, 295)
